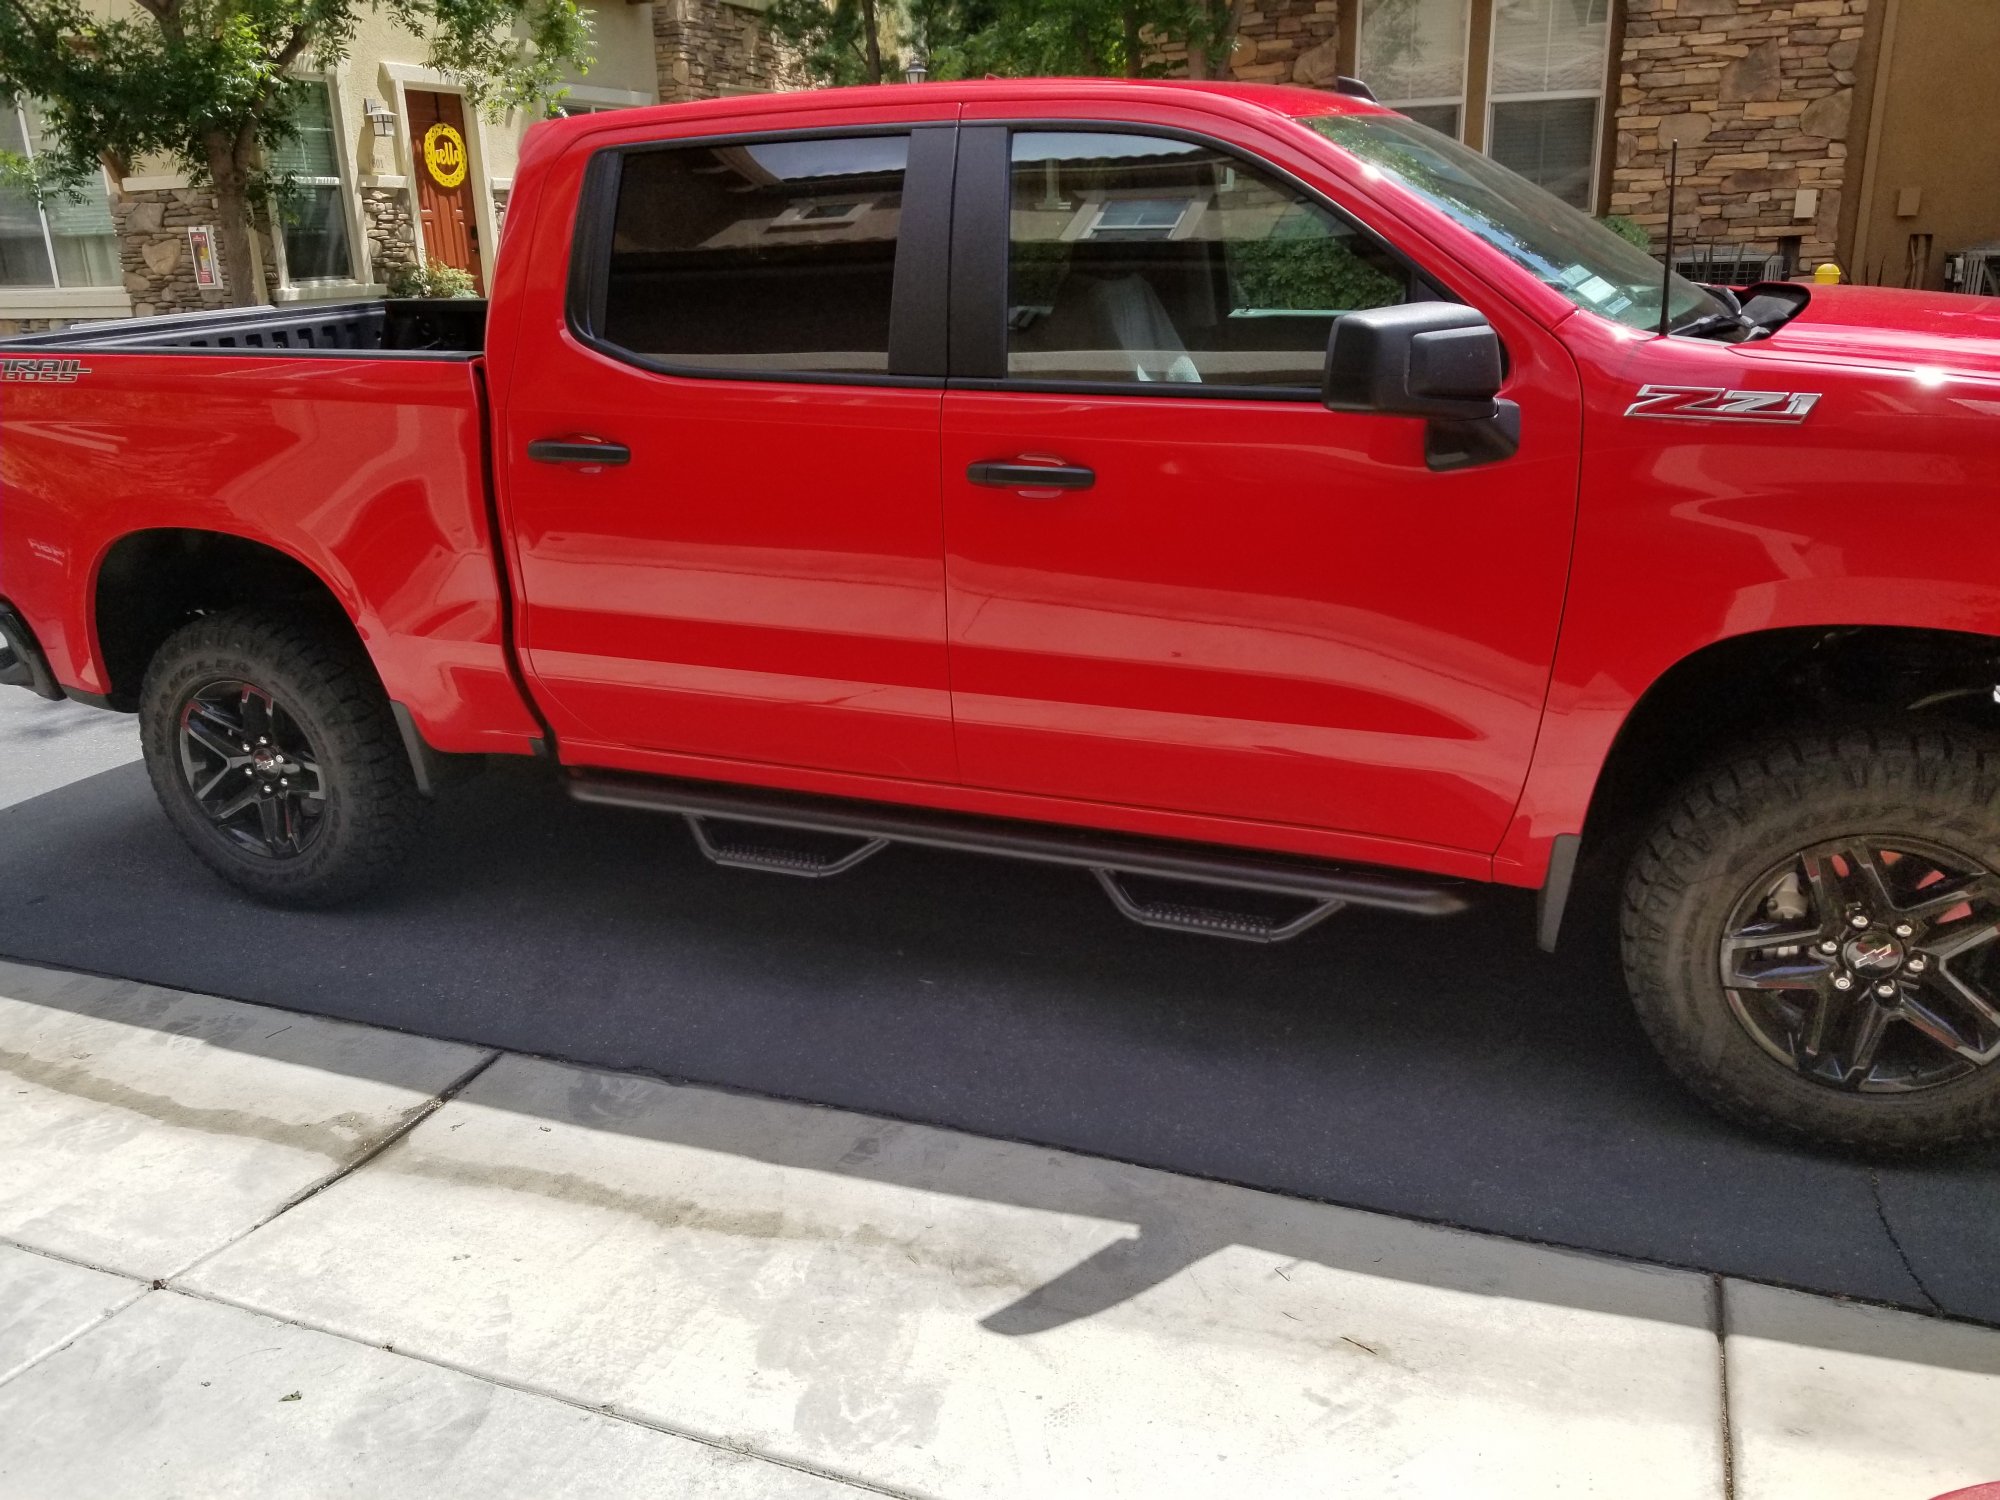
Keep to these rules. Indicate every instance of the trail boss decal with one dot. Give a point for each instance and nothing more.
(44, 371)
(1707, 404)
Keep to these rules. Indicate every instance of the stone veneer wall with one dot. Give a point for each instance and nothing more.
(1277, 41)
(152, 226)
(153, 250)
(703, 48)
(1760, 94)
(392, 237)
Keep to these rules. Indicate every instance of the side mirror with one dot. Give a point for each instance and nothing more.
(1439, 360)
(1417, 359)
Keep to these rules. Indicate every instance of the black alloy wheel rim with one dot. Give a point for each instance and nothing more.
(252, 770)
(1869, 964)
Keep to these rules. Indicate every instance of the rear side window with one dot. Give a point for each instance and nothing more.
(1146, 259)
(771, 257)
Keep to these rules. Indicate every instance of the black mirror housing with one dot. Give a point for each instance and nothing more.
(1417, 359)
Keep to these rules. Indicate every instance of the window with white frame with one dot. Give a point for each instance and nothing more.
(314, 213)
(60, 241)
(1547, 92)
(1412, 54)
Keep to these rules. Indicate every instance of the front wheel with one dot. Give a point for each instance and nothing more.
(1810, 937)
(273, 749)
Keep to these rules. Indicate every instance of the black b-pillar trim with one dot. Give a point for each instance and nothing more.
(920, 300)
(979, 255)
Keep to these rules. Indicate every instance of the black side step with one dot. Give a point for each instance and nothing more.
(1182, 915)
(1327, 887)
(740, 852)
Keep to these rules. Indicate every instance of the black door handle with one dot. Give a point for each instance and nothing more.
(1010, 476)
(574, 451)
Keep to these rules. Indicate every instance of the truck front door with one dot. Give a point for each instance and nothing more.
(1176, 579)
(723, 465)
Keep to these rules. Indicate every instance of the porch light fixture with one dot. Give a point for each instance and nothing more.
(916, 70)
(379, 117)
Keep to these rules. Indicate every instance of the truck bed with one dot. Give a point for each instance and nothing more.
(412, 327)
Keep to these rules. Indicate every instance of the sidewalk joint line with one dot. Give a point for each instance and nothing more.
(139, 1292)
(609, 1413)
(1882, 1213)
(1718, 1294)
(340, 1174)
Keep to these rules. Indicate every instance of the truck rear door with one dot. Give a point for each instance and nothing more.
(1176, 579)
(722, 461)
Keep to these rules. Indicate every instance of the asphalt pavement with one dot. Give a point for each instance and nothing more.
(1444, 1071)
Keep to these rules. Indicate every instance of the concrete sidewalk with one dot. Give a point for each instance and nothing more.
(244, 1251)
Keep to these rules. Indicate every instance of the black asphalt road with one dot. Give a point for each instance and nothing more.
(1444, 1070)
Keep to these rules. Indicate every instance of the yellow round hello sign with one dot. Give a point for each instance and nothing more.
(444, 155)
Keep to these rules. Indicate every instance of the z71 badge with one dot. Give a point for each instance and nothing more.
(1705, 403)
(42, 371)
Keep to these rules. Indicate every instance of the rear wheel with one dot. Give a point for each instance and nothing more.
(272, 748)
(1812, 936)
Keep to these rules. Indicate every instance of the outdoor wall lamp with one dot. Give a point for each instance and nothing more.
(917, 70)
(380, 117)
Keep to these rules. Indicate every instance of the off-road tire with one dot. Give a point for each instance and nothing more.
(1711, 842)
(318, 672)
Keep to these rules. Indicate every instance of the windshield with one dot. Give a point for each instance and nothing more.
(1540, 233)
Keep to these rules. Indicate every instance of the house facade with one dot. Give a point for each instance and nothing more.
(1808, 131)
(393, 165)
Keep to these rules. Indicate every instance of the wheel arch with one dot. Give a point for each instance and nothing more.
(1751, 684)
(148, 583)
(1726, 692)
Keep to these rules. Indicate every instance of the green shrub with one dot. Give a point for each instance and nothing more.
(1631, 233)
(431, 279)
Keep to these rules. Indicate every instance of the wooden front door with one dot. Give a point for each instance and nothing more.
(442, 163)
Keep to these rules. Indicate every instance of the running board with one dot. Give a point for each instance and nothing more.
(1112, 857)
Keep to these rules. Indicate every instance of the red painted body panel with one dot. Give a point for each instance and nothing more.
(1875, 510)
(369, 472)
(1267, 625)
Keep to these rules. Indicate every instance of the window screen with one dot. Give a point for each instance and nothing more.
(1143, 259)
(315, 213)
(1412, 54)
(773, 257)
(1548, 79)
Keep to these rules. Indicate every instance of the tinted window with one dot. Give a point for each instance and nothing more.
(1138, 258)
(776, 256)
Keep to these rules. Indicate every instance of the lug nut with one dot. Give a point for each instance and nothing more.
(1858, 921)
(1843, 982)
(1885, 990)
(1917, 964)
(1904, 929)
(1829, 946)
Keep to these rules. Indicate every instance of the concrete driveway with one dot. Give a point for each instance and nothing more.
(245, 1251)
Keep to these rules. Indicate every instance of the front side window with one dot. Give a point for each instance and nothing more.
(1547, 86)
(60, 241)
(1135, 258)
(314, 214)
(768, 257)
(1412, 53)
(1546, 237)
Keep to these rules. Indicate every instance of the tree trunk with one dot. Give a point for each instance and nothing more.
(229, 164)
(872, 36)
(1133, 57)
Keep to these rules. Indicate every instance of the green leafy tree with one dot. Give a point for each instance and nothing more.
(208, 85)
(836, 42)
(858, 41)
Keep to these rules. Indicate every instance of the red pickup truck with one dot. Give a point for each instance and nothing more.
(1242, 493)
